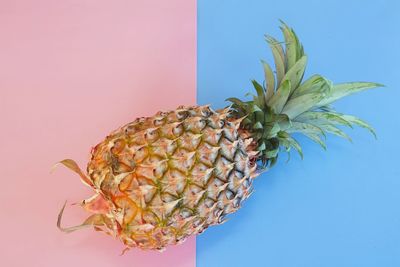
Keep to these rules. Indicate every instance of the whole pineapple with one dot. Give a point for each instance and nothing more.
(160, 179)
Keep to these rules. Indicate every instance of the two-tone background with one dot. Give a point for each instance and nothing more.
(71, 71)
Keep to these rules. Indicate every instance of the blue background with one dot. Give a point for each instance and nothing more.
(334, 208)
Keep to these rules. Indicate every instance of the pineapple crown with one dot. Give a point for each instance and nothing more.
(285, 104)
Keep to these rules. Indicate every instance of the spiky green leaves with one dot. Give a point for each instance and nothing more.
(285, 105)
(279, 99)
(344, 89)
(263, 124)
(279, 58)
(326, 122)
(294, 50)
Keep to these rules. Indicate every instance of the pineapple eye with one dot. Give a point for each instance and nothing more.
(239, 174)
(167, 198)
(197, 222)
(218, 182)
(185, 213)
(201, 124)
(161, 113)
(118, 146)
(130, 130)
(209, 202)
(229, 124)
(206, 112)
(247, 183)
(158, 122)
(203, 168)
(217, 212)
(181, 115)
(194, 189)
(192, 112)
(236, 202)
(151, 135)
(229, 194)
(140, 154)
(160, 168)
(178, 130)
(221, 218)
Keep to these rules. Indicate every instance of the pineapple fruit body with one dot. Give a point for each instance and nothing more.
(172, 175)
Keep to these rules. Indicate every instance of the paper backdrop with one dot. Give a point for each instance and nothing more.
(339, 208)
(71, 72)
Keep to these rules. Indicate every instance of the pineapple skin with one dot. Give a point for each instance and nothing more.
(161, 179)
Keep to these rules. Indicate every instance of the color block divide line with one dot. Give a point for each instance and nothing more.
(71, 72)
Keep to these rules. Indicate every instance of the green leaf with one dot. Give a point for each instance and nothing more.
(278, 100)
(311, 131)
(322, 117)
(305, 128)
(291, 142)
(236, 101)
(283, 121)
(279, 58)
(298, 105)
(285, 144)
(273, 131)
(299, 48)
(344, 89)
(261, 147)
(290, 45)
(359, 122)
(258, 125)
(350, 120)
(246, 121)
(250, 94)
(334, 130)
(254, 108)
(273, 161)
(296, 72)
(259, 88)
(315, 83)
(259, 99)
(269, 81)
(317, 139)
(271, 153)
(327, 108)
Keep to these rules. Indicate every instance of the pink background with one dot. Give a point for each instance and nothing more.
(70, 72)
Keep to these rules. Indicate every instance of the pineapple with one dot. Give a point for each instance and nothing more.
(161, 179)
